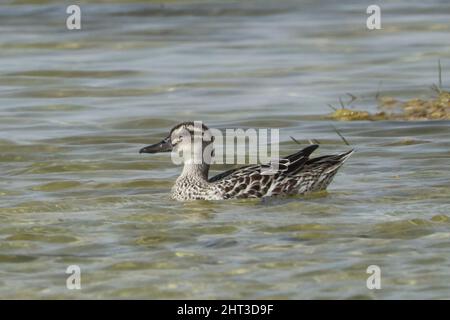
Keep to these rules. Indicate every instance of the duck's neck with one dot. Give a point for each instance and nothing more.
(195, 171)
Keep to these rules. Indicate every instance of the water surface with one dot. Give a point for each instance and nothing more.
(76, 106)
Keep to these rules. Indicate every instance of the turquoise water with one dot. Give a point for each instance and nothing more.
(76, 106)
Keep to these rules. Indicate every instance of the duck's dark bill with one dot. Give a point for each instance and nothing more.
(163, 146)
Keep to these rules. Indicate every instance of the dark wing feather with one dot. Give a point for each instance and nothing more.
(224, 174)
(305, 152)
(289, 165)
(298, 160)
(329, 160)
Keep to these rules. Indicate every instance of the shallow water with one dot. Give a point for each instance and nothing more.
(76, 106)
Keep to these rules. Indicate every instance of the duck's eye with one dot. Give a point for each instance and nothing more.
(177, 140)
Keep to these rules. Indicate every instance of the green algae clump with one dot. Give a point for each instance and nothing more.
(433, 109)
(345, 114)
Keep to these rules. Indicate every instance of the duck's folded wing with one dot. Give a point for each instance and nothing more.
(229, 173)
(287, 166)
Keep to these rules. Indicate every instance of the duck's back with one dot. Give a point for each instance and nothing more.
(296, 174)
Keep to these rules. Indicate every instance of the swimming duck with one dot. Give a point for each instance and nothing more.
(294, 174)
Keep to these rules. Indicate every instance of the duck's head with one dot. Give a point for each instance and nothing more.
(187, 137)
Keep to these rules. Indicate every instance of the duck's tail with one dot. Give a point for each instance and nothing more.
(328, 166)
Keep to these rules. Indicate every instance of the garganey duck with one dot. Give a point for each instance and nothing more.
(295, 174)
